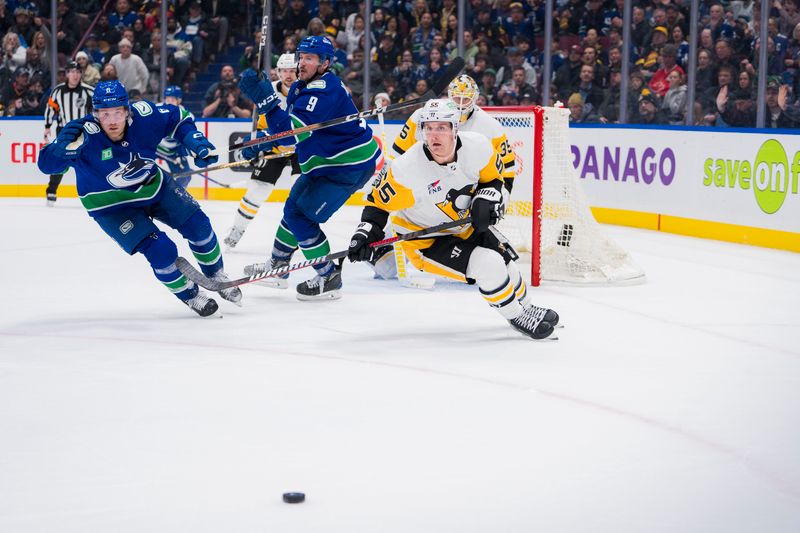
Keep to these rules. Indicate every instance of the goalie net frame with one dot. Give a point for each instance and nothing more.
(595, 259)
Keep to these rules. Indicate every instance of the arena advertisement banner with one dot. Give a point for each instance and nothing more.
(748, 179)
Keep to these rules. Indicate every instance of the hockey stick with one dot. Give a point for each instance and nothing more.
(441, 84)
(230, 165)
(196, 276)
(261, 45)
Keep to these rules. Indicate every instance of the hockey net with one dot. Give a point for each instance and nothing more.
(565, 243)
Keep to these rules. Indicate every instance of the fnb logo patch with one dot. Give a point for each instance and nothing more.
(434, 187)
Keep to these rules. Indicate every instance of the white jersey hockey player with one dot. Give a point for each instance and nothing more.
(266, 172)
(451, 175)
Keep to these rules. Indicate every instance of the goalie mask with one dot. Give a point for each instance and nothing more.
(463, 91)
(438, 110)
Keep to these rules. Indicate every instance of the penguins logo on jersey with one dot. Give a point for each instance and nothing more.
(457, 202)
(136, 171)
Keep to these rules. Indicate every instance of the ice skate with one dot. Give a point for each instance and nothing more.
(51, 199)
(531, 323)
(276, 282)
(322, 287)
(233, 238)
(202, 304)
(550, 315)
(233, 295)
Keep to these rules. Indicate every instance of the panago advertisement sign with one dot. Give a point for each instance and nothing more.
(744, 179)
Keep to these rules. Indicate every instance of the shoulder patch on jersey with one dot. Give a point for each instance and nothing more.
(142, 107)
(91, 127)
(316, 84)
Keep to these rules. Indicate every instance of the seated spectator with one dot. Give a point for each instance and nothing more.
(608, 111)
(14, 92)
(349, 38)
(590, 92)
(681, 47)
(516, 60)
(41, 43)
(674, 103)
(353, 76)
(703, 74)
(589, 57)
(122, 17)
(776, 116)
(227, 101)
(648, 112)
(517, 24)
(516, 85)
(107, 36)
(406, 73)
(23, 26)
(649, 58)
(579, 112)
(91, 76)
(34, 100)
(68, 25)
(724, 79)
(487, 87)
(658, 83)
(131, 70)
(14, 54)
(568, 74)
(738, 111)
(421, 37)
(179, 49)
(387, 56)
(486, 28)
(197, 29)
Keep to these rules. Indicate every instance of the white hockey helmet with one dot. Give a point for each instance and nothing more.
(463, 91)
(438, 110)
(286, 61)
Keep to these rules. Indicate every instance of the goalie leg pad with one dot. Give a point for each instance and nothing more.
(161, 253)
(488, 269)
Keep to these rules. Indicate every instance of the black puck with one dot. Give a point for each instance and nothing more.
(294, 497)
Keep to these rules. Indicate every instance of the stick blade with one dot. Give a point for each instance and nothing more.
(196, 276)
(453, 69)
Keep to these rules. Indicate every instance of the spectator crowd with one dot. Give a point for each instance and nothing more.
(410, 43)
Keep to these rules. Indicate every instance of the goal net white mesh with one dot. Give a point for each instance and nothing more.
(572, 247)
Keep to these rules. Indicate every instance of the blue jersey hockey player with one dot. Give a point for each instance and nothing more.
(335, 162)
(113, 152)
(171, 150)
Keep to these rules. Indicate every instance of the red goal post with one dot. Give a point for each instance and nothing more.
(548, 218)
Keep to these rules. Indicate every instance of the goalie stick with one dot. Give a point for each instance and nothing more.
(441, 84)
(196, 276)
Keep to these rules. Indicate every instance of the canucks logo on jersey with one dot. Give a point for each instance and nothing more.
(137, 170)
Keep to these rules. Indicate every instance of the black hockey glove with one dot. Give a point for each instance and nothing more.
(486, 208)
(360, 250)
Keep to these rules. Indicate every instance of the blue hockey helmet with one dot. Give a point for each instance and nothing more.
(316, 44)
(173, 90)
(109, 94)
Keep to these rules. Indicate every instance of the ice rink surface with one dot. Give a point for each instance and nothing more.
(672, 406)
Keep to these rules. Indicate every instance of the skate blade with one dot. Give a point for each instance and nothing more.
(426, 284)
(273, 283)
(330, 295)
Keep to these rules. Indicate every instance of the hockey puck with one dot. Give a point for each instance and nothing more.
(294, 497)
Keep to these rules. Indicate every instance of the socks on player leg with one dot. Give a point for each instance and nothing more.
(488, 269)
(318, 246)
(520, 288)
(161, 253)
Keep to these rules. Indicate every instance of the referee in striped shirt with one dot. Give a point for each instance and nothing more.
(68, 101)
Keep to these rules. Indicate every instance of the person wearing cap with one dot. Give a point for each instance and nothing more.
(648, 111)
(131, 70)
(69, 101)
(91, 75)
(23, 26)
(517, 24)
(516, 60)
(658, 38)
(491, 30)
(14, 91)
(608, 111)
(776, 116)
(579, 111)
(667, 63)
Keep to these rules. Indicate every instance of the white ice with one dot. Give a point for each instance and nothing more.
(672, 406)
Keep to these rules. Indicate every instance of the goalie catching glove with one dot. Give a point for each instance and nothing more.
(487, 208)
(360, 249)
